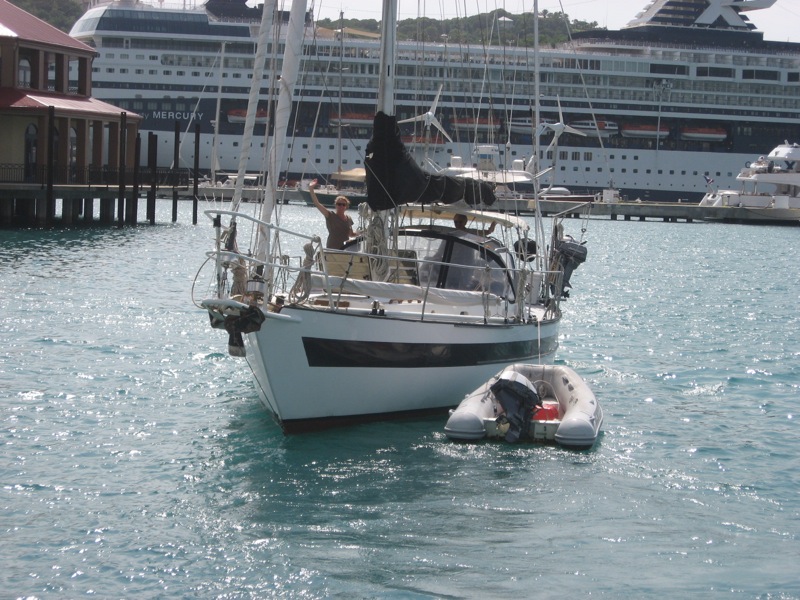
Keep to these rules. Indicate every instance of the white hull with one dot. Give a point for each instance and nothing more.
(355, 337)
(391, 379)
(572, 417)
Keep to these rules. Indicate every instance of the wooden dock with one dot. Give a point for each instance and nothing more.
(668, 212)
(33, 205)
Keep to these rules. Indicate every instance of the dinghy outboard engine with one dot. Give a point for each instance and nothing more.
(568, 256)
(517, 396)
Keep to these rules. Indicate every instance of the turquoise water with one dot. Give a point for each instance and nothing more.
(137, 461)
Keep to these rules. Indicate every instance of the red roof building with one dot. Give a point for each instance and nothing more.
(49, 118)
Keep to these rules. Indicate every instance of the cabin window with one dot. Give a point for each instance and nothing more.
(463, 265)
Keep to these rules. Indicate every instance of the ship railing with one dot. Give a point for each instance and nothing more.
(577, 43)
(300, 267)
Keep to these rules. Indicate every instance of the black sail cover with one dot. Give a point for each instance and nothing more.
(393, 178)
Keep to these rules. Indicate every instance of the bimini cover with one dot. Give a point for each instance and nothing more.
(393, 178)
(517, 396)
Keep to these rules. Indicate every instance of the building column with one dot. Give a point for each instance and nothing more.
(113, 150)
(42, 151)
(84, 77)
(9, 75)
(81, 150)
(62, 150)
(98, 134)
(62, 73)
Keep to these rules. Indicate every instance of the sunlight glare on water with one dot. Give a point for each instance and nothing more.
(138, 461)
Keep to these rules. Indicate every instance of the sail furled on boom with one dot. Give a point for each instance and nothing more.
(393, 178)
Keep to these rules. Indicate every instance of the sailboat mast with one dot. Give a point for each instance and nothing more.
(341, 76)
(388, 43)
(536, 96)
(267, 18)
(283, 110)
(214, 148)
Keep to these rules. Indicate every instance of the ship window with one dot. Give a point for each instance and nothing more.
(669, 69)
(760, 74)
(715, 72)
(140, 71)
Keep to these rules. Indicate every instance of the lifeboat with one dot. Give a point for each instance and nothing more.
(644, 131)
(548, 404)
(601, 129)
(524, 125)
(238, 115)
(353, 119)
(703, 134)
(479, 124)
(412, 141)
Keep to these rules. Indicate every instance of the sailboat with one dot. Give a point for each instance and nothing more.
(407, 317)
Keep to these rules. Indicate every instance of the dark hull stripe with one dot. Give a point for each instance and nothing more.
(322, 352)
(321, 424)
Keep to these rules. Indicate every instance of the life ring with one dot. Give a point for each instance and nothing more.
(747, 165)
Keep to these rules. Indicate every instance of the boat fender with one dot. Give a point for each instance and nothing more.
(517, 396)
(248, 320)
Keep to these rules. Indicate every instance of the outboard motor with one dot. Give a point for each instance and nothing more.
(518, 397)
(568, 256)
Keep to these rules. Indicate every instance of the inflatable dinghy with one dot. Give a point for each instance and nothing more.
(538, 403)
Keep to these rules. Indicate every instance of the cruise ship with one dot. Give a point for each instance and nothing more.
(688, 92)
